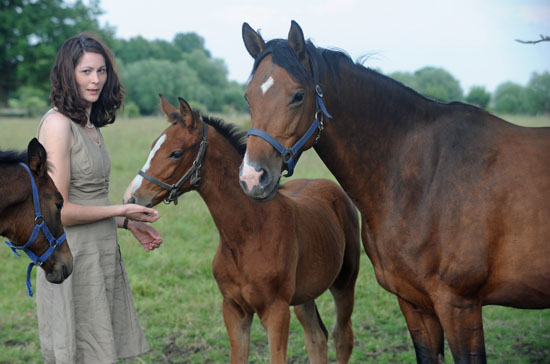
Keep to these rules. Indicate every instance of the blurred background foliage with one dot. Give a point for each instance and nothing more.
(32, 31)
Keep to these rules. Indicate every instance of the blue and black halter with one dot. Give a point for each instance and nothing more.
(292, 154)
(40, 225)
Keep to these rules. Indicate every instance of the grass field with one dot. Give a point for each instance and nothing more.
(179, 304)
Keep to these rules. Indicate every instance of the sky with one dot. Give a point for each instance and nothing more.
(474, 40)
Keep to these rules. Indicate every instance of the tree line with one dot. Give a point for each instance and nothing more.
(32, 31)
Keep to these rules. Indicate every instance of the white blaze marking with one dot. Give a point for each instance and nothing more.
(267, 85)
(136, 183)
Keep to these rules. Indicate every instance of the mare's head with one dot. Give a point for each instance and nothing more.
(18, 221)
(171, 158)
(283, 104)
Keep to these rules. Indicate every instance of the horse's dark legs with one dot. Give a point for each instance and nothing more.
(463, 325)
(276, 320)
(315, 332)
(237, 323)
(426, 333)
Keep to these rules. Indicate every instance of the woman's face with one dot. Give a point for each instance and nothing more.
(90, 75)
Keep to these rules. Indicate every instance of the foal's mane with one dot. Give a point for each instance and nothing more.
(234, 134)
(12, 156)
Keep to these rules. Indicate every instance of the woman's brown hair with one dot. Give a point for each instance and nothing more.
(65, 94)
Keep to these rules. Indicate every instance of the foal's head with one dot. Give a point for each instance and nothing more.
(19, 221)
(172, 155)
(282, 100)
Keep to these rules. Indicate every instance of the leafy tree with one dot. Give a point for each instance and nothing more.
(478, 96)
(406, 78)
(539, 93)
(139, 48)
(510, 98)
(188, 42)
(438, 84)
(31, 32)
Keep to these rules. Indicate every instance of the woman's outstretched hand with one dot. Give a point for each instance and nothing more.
(141, 213)
(147, 235)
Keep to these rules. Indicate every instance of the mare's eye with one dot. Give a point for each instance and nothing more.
(177, 154)
(298, 98)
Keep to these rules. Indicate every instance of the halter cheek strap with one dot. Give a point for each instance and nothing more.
(291, 155)
(39, 225)
(193, 174)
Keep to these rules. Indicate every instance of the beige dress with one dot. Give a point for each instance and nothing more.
(90, 318)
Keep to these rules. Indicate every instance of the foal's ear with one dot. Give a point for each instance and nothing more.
(36, 158)
(253, 42)
(186, 113)
(168, 110)
(296, 41)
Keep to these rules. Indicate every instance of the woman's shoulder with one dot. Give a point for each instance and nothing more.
(55, 124)
(55, 119)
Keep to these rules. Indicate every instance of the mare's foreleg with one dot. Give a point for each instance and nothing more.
(463, 325)
(315, 332)
(276, 320)
(237, 323)
(426, 333)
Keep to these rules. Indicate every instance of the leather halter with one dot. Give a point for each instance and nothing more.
(291, 155)
(39, 225)
(193, 173)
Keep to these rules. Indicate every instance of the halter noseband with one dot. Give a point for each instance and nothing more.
(193, 173)
(292, 154)
(39, 225)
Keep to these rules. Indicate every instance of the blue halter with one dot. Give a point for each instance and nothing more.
(40, 225)
(292, 154)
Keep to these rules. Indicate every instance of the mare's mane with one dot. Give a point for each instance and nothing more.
(12, 156)
(333, 61)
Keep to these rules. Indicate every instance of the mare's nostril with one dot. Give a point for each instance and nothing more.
(132, 200)
(264, 177)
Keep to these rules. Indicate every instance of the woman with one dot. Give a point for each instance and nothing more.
(90, 318)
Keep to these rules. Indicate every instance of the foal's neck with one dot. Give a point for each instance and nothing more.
(219, 186)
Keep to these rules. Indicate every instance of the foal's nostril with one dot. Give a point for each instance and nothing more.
(132, 200)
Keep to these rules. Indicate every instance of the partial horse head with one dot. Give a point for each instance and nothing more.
(32, 219)
(286, 108)
(173, 165)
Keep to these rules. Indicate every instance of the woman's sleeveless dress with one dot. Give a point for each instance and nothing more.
(90, 318)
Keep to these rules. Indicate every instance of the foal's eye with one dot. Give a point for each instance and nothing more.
(298, 98)
(177, 154)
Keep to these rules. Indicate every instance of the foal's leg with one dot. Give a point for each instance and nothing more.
(315, 332)
(276, 320)
(237, 323)
(426, 333)
(344, 298)
(463, 325)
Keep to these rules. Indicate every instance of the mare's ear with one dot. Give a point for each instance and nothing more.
(186, 112)
(36, 158)
(253, 42)
(170, 111)
(297, 42)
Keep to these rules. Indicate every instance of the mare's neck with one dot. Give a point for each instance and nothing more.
(371, 116)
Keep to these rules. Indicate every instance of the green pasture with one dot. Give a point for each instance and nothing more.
(179, 304)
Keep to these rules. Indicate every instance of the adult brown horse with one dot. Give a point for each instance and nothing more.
(284, 252)
(455, 202)
(30, 212)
